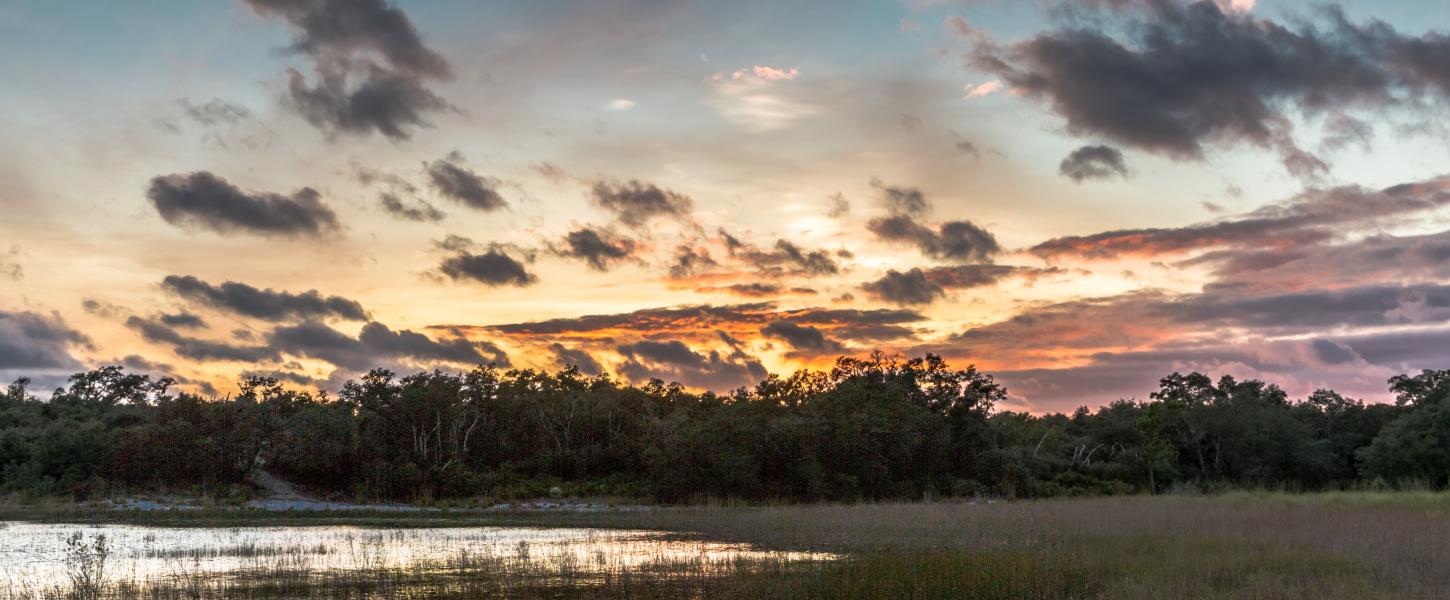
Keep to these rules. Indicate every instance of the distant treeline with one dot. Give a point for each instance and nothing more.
(877, 428)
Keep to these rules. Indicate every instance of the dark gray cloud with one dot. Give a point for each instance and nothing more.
(461, 185)
(923, 286)
(200, 349)
(419, 210)
(909, 288)
(634, 203)
(355, 92)
(958, 241)
(585, 362)
(377, 344)
(756, 290)
(203, 200)
(1184, 76)
(494, 267)
(844, 323)
(1311, 217)
(690, 260)
(804, 340)
(33, 341)
(902, 200)
(600, 248)
(183, 319)
(785, 258)
(672, 360)
(266, 304)
(1093, 162)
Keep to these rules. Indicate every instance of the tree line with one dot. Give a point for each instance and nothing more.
(882, 427)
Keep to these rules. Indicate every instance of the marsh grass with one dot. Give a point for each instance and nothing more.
(1239, 545)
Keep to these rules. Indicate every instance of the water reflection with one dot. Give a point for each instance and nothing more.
(32, 555)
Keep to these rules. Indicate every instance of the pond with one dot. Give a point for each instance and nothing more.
(33, 556)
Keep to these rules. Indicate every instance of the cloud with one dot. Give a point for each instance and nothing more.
(421, 211)
(464, 186)
(690, 260)
(902, 200)
(1093, 162)
(755, 100)
(785, 258)
(977, 90)
(200, 349)
(756, 290)
(586, 363)
(960, 241)
(804, 340)
(1183, 77)
(774, 74)
(705, 320)
(377, 343)
(32, 342)
(266, 304)
(635, 203)
(909, 288)
(203, 200)
(840, 206)
(920, 287)
(495, 267)
(10, 265)
(370, 66)
(619, 104)
(601, 249)
(1313, 216)
(183, 319)
(672, 360)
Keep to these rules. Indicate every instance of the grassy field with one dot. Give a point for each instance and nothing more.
(1240, 545)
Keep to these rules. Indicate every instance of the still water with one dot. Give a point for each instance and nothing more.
(33, 555)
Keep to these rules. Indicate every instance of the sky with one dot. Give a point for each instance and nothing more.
(1076, 196)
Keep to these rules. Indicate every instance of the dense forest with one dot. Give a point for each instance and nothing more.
(877, 428)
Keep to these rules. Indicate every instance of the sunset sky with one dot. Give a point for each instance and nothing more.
(1077, 196)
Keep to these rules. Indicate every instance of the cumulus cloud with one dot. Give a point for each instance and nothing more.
(32, 342)
(959, 241)
(183, 319)
(690, 260)
(494, 267)
(785, 258)
(420, 211)
(1093, 162)
(266, 304)
(580, 359)
(465, 187)
(370, 68)
(1182, 77)
(377, 343)
(601, 249)
(923, 286)
(635, 203)
(203, 200)
(804, 340)
(673, 361)
(902, 200)
(199, 349)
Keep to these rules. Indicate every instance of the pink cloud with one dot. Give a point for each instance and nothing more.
(983, 89)
(775, 74)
